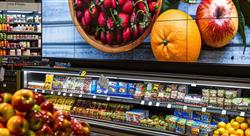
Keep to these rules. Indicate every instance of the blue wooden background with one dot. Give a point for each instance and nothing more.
(61, 39)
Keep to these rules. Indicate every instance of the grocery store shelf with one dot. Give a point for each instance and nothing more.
(31, 48)
(19, 32)
(170, 105)
(26, 23)
(17, 40)
(126, 128)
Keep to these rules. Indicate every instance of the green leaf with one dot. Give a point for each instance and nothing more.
(169, 4)
(241, 24)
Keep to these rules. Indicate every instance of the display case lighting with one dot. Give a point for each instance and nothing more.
(25, 12)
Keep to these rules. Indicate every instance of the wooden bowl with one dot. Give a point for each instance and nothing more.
(111, 48)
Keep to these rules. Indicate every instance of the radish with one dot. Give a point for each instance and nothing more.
(121, 2)
(141, 29)
(153, 6)
(128, 7)
(109, 37)
(107, 4)
(87, 17)
(118, 37)
(97, 34)
(126, 35)
(79, 4)
(123, 19)
(142, 6)
(133, 18)
(79, 15)
(135, 31)
(110, 23)
(114, 4)
(93, 10)
(103, 37)
(101, 19)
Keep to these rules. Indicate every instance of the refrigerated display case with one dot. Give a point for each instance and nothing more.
(215, 95)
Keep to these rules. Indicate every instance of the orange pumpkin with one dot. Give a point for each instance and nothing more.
(175, 37)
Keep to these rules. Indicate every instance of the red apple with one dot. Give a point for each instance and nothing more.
(48, 118)
(30, 133)
(36, 120)
(18, 125)
(47, 106)
(62, 125)
(4, 132)
(1, 125)
(39, 98)
(6, 112)
(23, 100)
(80, 128)
(62, 114)
(7, 97)
(217, 21)
(45, 131)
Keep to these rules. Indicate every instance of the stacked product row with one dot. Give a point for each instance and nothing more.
(224, 98)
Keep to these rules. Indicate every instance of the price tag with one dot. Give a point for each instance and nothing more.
(242, 114)
(51, 92)
(157, 104)
(150, 103)
(204, 109)
(59, 93)
(169, 106)
(64, 94)
(193, 85)
(142, 102)
(83, 73)
(70, 95)
(223, 112)
(80, 95)
(184, 107)
(94, 96)
(43, 91)
(108, 98)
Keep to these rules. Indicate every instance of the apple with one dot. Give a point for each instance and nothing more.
(80, 128)
(45, 131)
(6, 112)
(47, 106)
(217, 21)
(30, 133)
(35, 120)
(39, 98)
(7, 97)
(18, 125)
(1, 99)
(36, 108)
(48, 118)
(1, 125)
(4, 132)
(62, 114)
(62, 125)
(23, 100)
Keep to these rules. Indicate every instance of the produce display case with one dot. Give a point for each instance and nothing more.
(227, 97)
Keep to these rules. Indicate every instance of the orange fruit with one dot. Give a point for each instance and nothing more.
(248, 121)
(235, 125)
(247, 132)
(244, 126)
(231, 131)
(233, 120)
(233, 135)
(175, 37)
(239, 132)
(222, 130)
(221, 125)
(216, 132)
(228, 126)
(240, 119)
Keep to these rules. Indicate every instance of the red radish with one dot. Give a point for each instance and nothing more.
(79, 4)
(107, 4)
(124, 18)
(92, 30)
(97, 34)
(94, 11)
(103, 37)
(141, 29)
(109, 37)
(87, 17)
(126, 35)
(110, 23)
(121, 2)
(153, 6)
(128, 7)
(133, 18)
(135, 32)
(142, 6)
(79, 15)
(118, 37)
(84, 25)
(101, 19)
(113, 4)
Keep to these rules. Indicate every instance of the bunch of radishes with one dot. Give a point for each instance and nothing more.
(115, 21)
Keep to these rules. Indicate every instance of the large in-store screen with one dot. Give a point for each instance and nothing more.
(202, 31)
